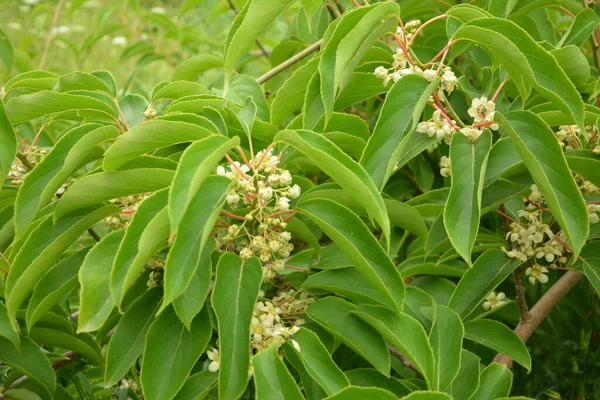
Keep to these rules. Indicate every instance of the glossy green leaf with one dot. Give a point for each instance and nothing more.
(103, 186)
(170, 353)
(96, 302)
(60, 339)
(189, 69)
(38, 80)
(178, 89)
(585, 163)
(499, 337)
(367, 377)
(467, 381)
(446, 342)
(234, 295)
(197, 162)
(8, 143)
(273, 380)
(57, 282)
(198, 386)
(318, 362)
(581, 29)
(404, 333)
(150, 136)
(195, 228)
(526, 62)
(495, 381)
(354, 238)
(546, 162)
(30, 360)
(336, 316)
(80, 81)
(488, 271)
(463, 207)
(399, 117)
(502, 159)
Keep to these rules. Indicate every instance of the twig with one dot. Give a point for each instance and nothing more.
(94, 234)
(25, 161)
(541, 310)
(289, 62)
(405, 361)
(51, 34)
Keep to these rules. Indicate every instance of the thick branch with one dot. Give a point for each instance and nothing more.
(289, 62)
(542, 308)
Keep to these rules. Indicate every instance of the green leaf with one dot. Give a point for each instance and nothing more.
(581, 29)
(313, 109)
(127, 343)
(241, 87)
(273, 380)
(526, 62)
(178, 89)
(342, 169)
(103, 186)
(502, 159)
(195, 228)
(6, 328)
(150, 136)
(80, 81)
(467, 381)
(463, 207)
(198, 386)
(145, 234)
(495, 381)
(336, 316)
(44, 245)
(190, 302)
(29, 360)
(397, 121)
(310, 6)
(499, 337)
(574, 63)
(56, 338)
(250, 22)
(488, 271)
(361, 86)
(233, 299)
(585, 163)
(404, 333)
(367, 377)
(191, 68)
(427, 396)
(96, 302)
(170, 353)
(545, 160)
(354, 238)
(75, 148)
(132, 108)
(357, 393)
(446, 341)
(348, 282)
(318, 362)
(21, 394)
(34, 105)
(7, 53)
(54, 285)
(8, 140)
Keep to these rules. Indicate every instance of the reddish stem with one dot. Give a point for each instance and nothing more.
(227, 224)
(289, 217)
(425, 24)
(298, 268)
(230, 215)
(277, 214)
(403, 46)
(497, 92)
(482, 124)
(450, 44)
(236, 167)
(239, 149)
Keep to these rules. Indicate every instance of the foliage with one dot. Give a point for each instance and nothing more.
(336, 200)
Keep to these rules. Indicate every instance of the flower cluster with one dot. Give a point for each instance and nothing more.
(437, 126)
(410, 28)
(494, 300)
(265, 191)
(586, 187)
(156, 266)
(128, 206)
(18, 170)
(568, 137)
(593, 210)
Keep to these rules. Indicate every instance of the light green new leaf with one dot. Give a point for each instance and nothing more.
(37, 80)
(133, 106)
(96, 302)
(241, 87)
(318, 362)
(194, 229)
(342, 169)
(310, 6)
(80, 81)
(545, 160)
(56, 283)
(499, 337)
(405, 333)
(44, 245)
(170, 353)
(581, 29)
(190, 302)
(397, 121)
(488, 271)
(75, 148)
(234, 295)
(57, 338)
(463, 207)
(359, 393)
(198, 161)
(34, 105)
(127, 343)
(145, 234)
(313, 108)
(495, 381)
(527, 63)
(190, 69)
(150, 136)
(446, 341)
(198, 386)
(250, 22)
(30, 360)
(8, 143)
(354, 238)
(273, 380)
(336, 316)
(103, 186)
(467, 380)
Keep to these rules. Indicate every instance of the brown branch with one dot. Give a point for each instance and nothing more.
(541, 310)
(289, 62)
(405, 361)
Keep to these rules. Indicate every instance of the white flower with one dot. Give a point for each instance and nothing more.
(399, 59)
(119, 41)
(286, 236)
(449, 81)
(285, 179)
(221, 170)
(158, 10)
(446, 169)
(472, 133)
(429, 75)
(381, 72)
(481, 108)
(246, 253)
(536, 195)
(215, 360)
(294, 192)
(493, 300)
(396, 76)
(283, 203)
(233, 199)
(265, 193)
(537, 273)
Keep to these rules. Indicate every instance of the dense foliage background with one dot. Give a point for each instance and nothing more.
(141, 46)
